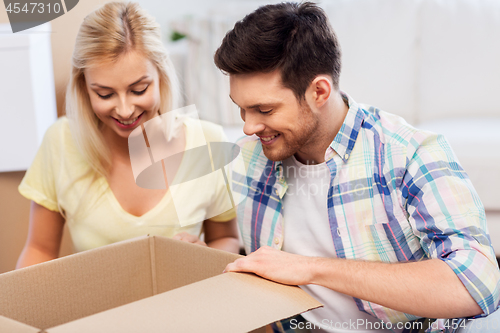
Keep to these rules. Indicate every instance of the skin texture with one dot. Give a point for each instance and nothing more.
(430, 287)
(133, 89)
(44, 236)
(122, 91)
(121, 102)
(277, 112)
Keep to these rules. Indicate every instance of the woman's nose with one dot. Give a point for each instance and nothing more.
(125, 109)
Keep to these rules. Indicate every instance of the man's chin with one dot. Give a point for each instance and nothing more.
(274, 155)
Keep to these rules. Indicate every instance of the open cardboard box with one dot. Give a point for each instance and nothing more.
(147, 284)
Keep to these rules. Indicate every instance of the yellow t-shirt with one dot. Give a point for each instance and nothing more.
(60, 180)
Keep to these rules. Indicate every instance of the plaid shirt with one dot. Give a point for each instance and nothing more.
(396, 194)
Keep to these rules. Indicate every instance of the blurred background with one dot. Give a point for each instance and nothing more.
(433, 62)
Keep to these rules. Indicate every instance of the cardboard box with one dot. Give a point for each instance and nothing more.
(147, 284)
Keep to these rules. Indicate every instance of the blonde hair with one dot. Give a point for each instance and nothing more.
(106, 34)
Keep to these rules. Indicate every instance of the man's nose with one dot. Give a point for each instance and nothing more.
(253, 124)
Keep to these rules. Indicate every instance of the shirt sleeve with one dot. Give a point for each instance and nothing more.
(446, 213)
(38, 183)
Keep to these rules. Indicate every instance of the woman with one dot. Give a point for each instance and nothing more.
(82, 174)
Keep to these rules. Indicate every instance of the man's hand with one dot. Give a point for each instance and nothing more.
(275, 265)
(430, 287)
(185, 237)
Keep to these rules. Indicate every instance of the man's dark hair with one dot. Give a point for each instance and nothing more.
(295, 38)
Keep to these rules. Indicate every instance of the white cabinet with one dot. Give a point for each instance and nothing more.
(27, 94)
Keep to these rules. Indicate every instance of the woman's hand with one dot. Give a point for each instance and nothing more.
(185, 237)
(222, 235)
(218, 235)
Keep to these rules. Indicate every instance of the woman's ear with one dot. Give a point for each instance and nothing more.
(320, 90)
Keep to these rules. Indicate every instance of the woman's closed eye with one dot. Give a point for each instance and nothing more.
(135, 92)
(104, 96)
(140, 92)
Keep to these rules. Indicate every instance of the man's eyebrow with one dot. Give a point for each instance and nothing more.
(130, 85)
(255, 106)
(259, 106)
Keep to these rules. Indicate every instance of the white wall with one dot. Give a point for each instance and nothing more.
(166, 11)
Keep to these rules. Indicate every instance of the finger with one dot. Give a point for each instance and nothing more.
(200, 242)
(190, 238)
(185, 237)
(180, 235)
(240, 265)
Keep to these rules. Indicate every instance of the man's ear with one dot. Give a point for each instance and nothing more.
(320, 90)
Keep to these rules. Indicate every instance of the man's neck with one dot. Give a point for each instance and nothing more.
(331, 121)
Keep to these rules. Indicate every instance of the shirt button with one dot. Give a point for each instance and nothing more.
(276, 240)
(346, 156)
(338, 232)
(276, 191)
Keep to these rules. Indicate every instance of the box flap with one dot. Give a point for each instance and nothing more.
(65, 289)
(230, 302)
(11, 326)
(179, 263)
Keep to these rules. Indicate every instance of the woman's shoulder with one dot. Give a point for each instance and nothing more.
(59, 140)
(59, 128)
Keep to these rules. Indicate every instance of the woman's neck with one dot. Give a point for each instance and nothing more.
(117, 145)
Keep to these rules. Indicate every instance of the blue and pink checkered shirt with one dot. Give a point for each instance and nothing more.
(396, 194)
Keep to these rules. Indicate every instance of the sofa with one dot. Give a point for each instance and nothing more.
(434, 62)
(437, 64)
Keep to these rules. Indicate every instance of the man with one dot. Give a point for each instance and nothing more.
(369, 215)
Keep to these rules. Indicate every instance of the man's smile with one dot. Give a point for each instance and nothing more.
(267, 140)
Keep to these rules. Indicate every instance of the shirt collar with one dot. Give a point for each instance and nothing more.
(344, 141)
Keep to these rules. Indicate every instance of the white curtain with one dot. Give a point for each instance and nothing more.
(203, 84)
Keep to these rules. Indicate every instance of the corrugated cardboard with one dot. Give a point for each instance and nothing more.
(148, 284)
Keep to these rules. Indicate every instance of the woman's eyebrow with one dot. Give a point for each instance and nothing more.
(130, 85)
(142, 78)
